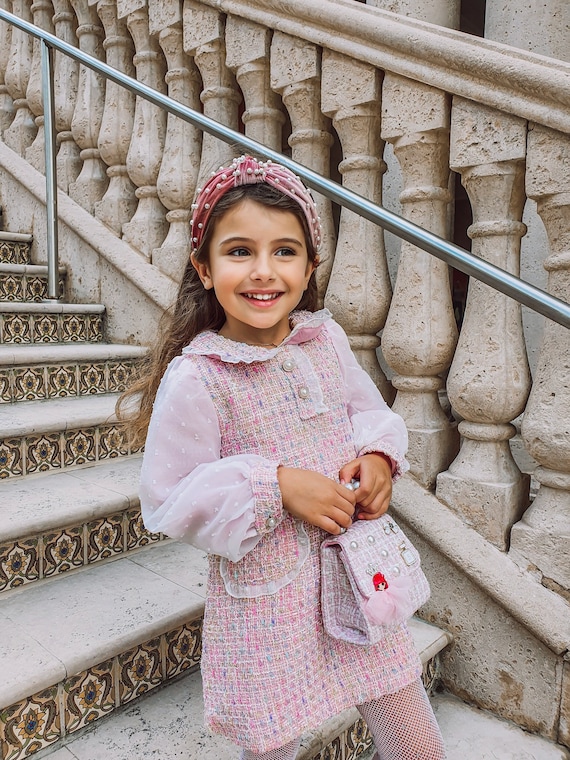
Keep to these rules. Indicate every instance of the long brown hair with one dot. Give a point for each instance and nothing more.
(197, 309)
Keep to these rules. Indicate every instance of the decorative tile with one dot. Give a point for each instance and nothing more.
(35, 288)
(350, 745)
(10, 457)
(79, 447)
(43, 453)
(139, 671)
(45, 328)
(119, 376)
(15, 329)
(88, 696)
(19, 563)
(137, 534)
(14, 253)
(91, 378)
(63, 550)
(62, 381)
(111, 442)
(94, 328)
(105, 538)
(5, 386)
(11, 288)
(73, 328)
(29, 384)
(29, 725)
(431, 675)
(183, 648)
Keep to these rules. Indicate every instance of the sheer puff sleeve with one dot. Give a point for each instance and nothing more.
(223, 506)
(376, 427)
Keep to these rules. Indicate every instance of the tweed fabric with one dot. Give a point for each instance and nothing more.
(225, 417)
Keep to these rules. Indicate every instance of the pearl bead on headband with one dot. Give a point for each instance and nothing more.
(248, 171)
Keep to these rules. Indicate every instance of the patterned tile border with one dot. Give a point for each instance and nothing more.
(14, 252)
(27, 560)
(25, 287)
(54, 451)
(67, 379)
(50, 328)
(44, 718)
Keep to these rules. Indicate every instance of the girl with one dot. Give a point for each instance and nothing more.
(261, 417)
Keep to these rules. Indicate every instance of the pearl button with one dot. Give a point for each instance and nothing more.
(271, 522)
(303, 392)
(370, 539)
(353, 545)
(288, 365)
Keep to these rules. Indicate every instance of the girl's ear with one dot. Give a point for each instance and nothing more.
(203, 272)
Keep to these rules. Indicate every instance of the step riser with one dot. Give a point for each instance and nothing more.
(45, 452)
(60, 380)
(14, 252)
(50, 328)
(46, 717)
(54, 552)
(23, 287)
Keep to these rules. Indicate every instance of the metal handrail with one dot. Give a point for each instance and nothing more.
(499, 279)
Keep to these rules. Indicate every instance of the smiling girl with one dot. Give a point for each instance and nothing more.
(261, 417)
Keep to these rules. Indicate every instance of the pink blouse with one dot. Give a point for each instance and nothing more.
(189, 493)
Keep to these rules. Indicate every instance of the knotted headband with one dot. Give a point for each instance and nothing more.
(248, 171)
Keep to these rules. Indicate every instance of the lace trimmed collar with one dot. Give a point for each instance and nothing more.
(305, 325)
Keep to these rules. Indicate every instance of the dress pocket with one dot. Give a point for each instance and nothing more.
(273, 563)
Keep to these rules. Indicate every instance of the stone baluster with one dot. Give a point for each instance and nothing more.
(248, 47)
(489, 378)
(22, 131)
(296, 74)
(66, 72)
(119, 203)
(180, 163)
(204, 41)
(42, 12)
(148, 227)
(542, 538)
(359, 288)
(92, 181)
(6, 102)
(421, 333)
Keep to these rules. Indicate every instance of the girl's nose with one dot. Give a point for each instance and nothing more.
(262, 268)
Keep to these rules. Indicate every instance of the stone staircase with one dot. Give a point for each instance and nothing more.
(95, 612)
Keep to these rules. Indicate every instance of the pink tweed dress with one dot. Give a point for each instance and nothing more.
(225, 417)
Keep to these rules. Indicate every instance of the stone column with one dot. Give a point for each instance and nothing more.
(119, 203)
(204, 41)
(296, 74)
(22, 131)
(489, 378)
(66, 73)
(181, 160)
(42, 12)
(147, 229)
(421, 333)
(359, 287)
(248, 47)
(542, 537)
(6, 102)
(440, 12)
(92, 181)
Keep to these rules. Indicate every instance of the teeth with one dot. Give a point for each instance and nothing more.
(262, 296)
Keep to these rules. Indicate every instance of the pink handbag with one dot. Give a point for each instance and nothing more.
(371, 581)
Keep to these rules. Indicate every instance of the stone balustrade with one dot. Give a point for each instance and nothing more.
(391, 109)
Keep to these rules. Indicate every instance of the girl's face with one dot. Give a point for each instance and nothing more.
(259, 268)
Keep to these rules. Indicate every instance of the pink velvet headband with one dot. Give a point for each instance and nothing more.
(248, 171)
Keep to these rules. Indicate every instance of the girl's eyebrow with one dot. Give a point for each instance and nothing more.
(238, 239)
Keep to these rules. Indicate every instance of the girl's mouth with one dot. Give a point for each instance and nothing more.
(261, 296)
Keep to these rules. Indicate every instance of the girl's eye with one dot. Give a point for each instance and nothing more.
(239, 252)
(285, 252)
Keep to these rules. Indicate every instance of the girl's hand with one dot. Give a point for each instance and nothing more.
(374, 471)
(316, 499)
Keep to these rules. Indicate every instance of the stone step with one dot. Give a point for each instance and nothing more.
(15, 248)
(104, 637)
(26, 282)
(41, 436)
(64, 521)
(50, 323)
(52, 370)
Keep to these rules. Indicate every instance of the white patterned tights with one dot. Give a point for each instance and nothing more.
(402, 724)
